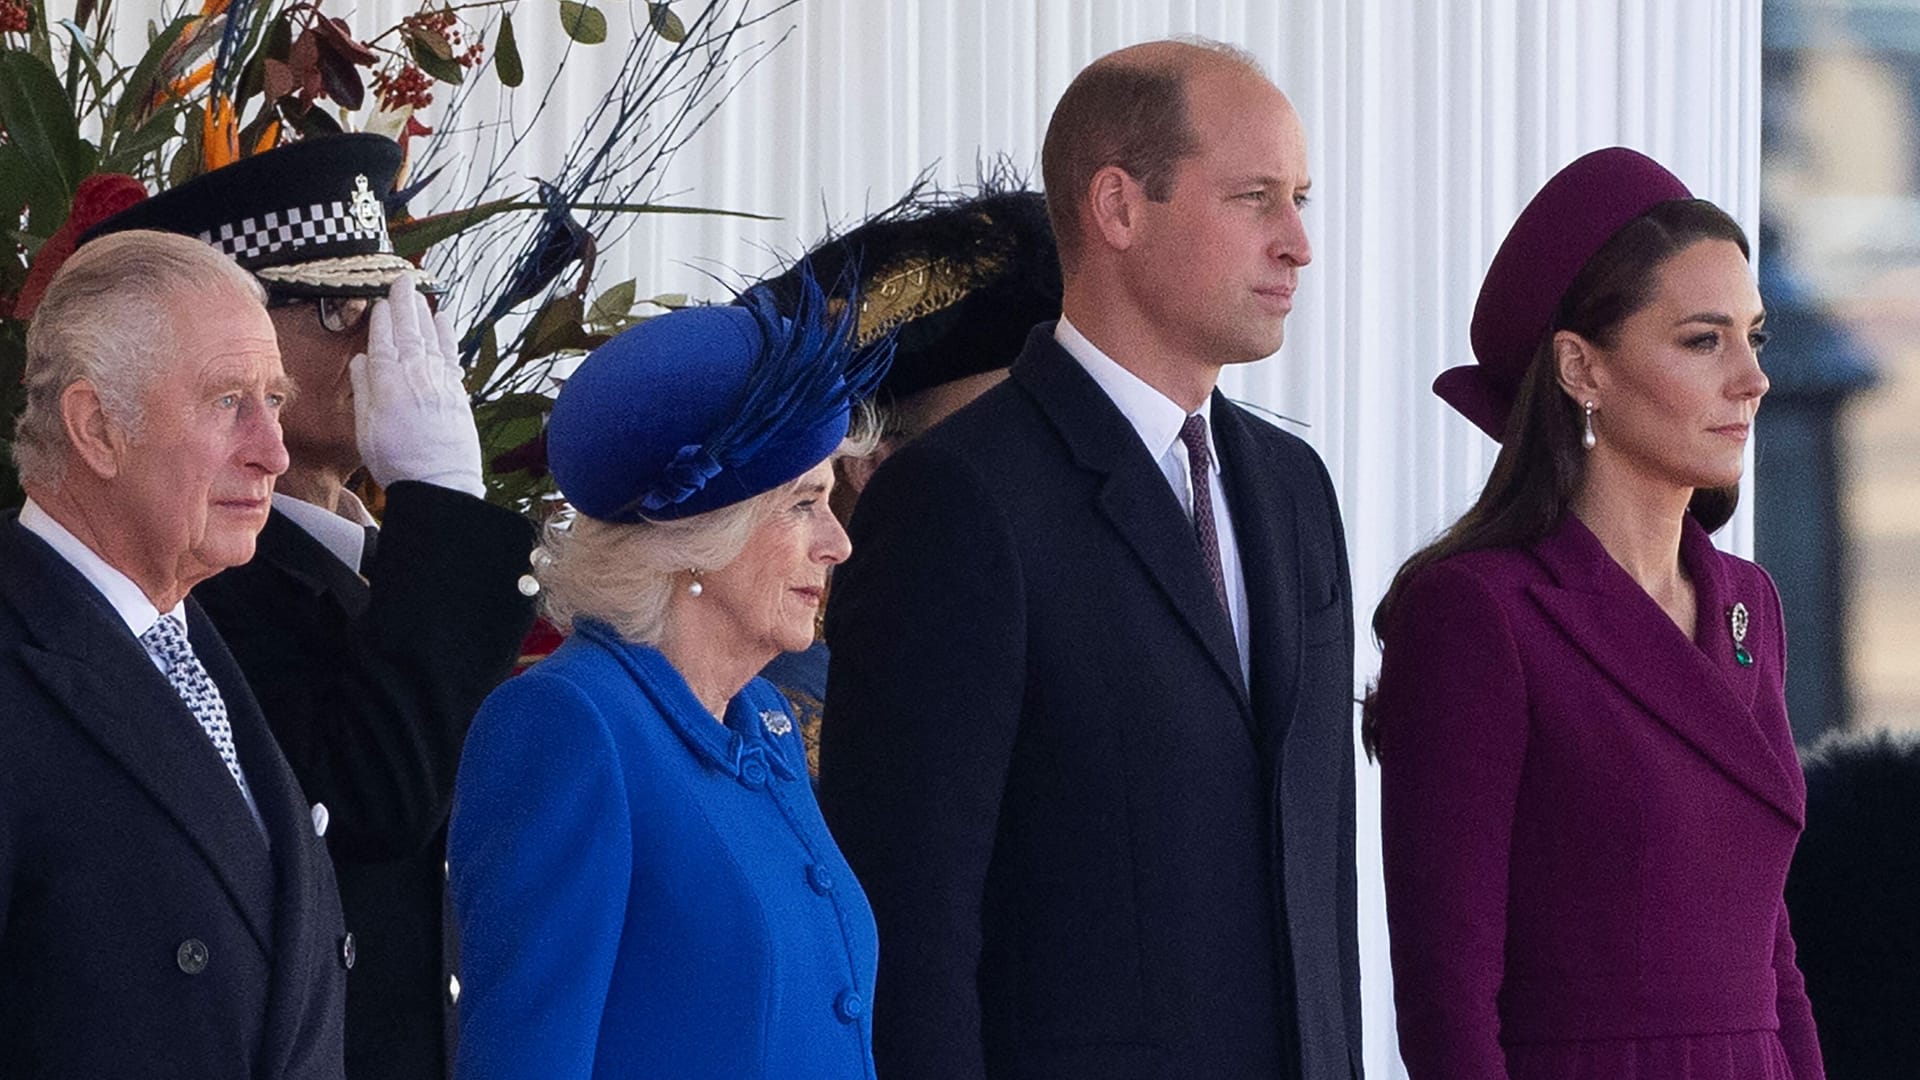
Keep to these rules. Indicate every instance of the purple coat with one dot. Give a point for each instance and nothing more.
(1587, 822)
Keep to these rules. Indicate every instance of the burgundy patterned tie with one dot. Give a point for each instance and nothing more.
(1199, 469)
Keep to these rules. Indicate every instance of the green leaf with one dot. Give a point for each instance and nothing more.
(610, 308)
(583, 22)
(666, 23)
(426, 48)
(484, 362)
(556, 329)
(127, 151)
(131, 111)
(38, 119)
(513, 407)
(414, 237)
(506, 55)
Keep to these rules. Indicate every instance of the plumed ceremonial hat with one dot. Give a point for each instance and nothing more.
(958, 281)
(1572, 217)
(705, 407)
(307, 218)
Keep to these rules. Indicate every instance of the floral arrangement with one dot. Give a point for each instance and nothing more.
(83, 134)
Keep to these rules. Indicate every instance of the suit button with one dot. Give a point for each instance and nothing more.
(349, 951)
(191, 956)
(820, 878)
(453, 989)
(849, 1006)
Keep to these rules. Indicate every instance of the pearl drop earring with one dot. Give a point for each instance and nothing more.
(1586, 434)
(694, 588)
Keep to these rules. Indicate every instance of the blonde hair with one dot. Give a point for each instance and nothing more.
(624, 574)
(109, 317)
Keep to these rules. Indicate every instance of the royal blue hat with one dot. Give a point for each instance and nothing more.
(705, 407)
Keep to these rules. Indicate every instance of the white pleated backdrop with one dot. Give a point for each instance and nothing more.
(1430, 123)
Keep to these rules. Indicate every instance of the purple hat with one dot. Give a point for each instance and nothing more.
(1576, 213)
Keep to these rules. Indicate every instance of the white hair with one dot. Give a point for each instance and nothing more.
(110, 316)
(624, 574)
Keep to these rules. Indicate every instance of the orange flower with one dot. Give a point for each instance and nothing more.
(210, 8)
(269, 138)
(219, 135)
(191, 81)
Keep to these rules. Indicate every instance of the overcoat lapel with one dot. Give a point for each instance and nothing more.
(294, 552)
(103, 680)
(1266, 528)
(1700, 695)
(286, 815)
(1134, 497)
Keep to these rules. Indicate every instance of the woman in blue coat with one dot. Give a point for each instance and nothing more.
(643, 884)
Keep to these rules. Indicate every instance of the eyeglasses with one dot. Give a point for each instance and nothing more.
(338, 314)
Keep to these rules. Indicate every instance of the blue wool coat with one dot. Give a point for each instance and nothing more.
(642, 892)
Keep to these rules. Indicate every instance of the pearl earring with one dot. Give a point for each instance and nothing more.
(1586, 434)
(694, 588)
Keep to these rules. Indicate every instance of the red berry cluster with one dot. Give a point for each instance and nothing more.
(407, 88)
(13, 17)
(446, 24)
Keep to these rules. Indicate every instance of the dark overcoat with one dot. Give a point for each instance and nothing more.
(1587, 821)
(1092, 850)
(146, 927)
(369, 685)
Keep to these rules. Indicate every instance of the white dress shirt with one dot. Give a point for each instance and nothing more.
(342, 532)
(1157, 419)
(126, 598)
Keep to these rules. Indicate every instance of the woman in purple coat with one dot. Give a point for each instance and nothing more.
(1589, 791)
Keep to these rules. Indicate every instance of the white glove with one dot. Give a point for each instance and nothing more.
(410, 411)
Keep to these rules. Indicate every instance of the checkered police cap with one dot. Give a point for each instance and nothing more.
(305, 218)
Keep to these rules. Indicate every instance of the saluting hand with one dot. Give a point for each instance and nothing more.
(410, 411)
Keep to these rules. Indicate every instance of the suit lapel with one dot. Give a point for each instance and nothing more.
(1134, 497)
(89, 664)
(1265, 527)
(1606, 615)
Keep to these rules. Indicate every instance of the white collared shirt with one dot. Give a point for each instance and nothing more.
(119, 590)
(1157, 419)
(342, 532)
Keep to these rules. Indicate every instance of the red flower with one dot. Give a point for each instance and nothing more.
(98, 198)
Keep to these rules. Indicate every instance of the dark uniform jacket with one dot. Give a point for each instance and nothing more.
(369, 685)
(147, 928)
(1092, 853)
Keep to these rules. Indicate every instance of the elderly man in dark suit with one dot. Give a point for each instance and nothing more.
(167, 908)
(369, 660)
(1091, 693)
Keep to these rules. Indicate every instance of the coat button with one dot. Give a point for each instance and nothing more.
(849, 1006)
(820, 878)
(753, 771)
(349, 950)
(191, 956)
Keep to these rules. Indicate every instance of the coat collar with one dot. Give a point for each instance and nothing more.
(1694, 687)
(730, 747)
(1134, 496)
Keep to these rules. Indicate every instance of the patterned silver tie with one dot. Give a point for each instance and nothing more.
(167, 641)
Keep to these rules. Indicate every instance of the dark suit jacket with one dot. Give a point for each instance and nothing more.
(1092, 853)
(369, 687)
(1587, 821)
(147, 929)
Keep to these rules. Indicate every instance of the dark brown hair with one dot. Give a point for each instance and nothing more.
(1129, 111)
(1541, 463)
